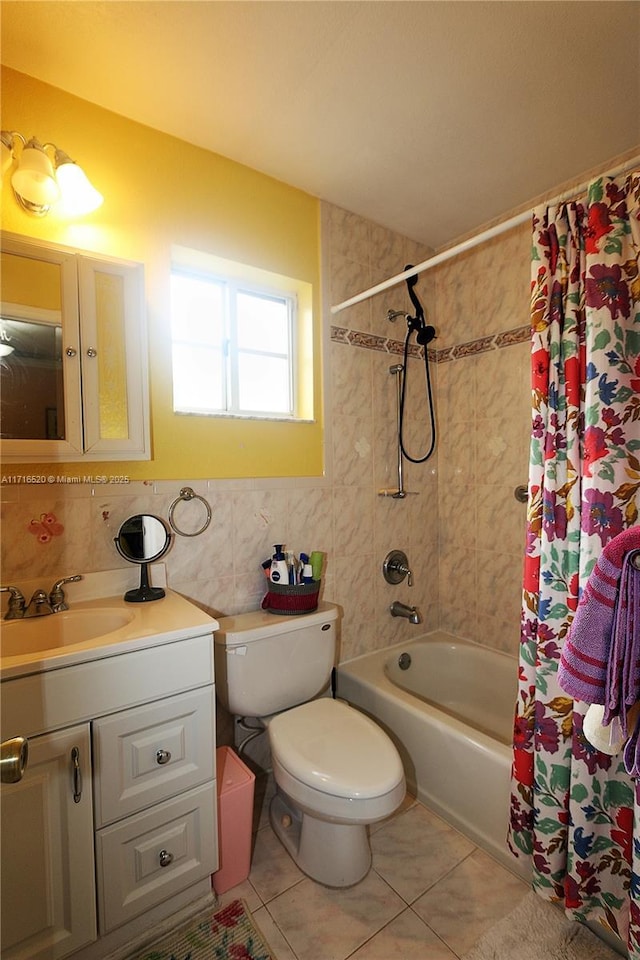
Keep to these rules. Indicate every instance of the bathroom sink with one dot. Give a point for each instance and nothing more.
(59, 630)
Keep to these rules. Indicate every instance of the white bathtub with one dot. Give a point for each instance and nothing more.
(450, 714)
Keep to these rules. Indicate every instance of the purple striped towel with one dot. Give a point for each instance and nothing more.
(603, 624)
(622, 688)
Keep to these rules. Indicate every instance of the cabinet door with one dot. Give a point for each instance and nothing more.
(40, 376)
(47, 863)
(114, 360)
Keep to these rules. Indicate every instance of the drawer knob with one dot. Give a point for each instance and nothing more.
(165, 858)
(163, 756)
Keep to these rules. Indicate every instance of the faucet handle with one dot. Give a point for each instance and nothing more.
(15, 610)
(15, 593)
(56, 596)
(396, 567)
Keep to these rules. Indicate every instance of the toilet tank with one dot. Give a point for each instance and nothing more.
(266, 663)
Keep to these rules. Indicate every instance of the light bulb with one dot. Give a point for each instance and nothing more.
(77, 194)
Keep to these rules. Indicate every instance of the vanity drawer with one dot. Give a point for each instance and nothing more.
(59, 698)
(148, 754)
(154, 855)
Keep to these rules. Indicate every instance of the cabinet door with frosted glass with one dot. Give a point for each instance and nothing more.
(114, 362)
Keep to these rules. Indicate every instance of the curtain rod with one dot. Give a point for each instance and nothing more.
(479, 238)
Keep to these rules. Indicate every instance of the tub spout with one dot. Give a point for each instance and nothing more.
(398, 609)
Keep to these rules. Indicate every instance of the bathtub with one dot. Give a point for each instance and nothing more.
(450, 715)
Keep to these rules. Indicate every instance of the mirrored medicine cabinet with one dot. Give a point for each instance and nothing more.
(73, 355)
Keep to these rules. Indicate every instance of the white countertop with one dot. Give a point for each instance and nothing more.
(150, 624)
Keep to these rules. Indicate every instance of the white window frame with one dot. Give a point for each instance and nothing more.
(232, 287)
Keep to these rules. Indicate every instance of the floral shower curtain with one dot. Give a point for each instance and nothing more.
(574, 810)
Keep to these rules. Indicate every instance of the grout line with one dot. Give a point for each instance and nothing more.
(281, 932)
(435, 933)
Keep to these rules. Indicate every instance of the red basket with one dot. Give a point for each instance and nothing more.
(285, 598)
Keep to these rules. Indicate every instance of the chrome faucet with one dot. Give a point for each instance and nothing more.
(17, 603)
(39, 605)
(398, 609)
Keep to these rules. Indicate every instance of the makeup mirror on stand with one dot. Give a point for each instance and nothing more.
(143, 539)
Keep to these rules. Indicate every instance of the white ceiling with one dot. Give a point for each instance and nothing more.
(430, 117)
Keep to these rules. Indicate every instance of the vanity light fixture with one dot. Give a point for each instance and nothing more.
(5, 342)
(45, 175)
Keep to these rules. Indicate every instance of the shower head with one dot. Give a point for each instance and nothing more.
(426, 334)
(393, 315)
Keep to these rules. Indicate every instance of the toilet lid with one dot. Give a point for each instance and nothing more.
(335, 749)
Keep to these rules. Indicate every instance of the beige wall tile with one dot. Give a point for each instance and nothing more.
(349, 235)
(351, 380)
(349, 277)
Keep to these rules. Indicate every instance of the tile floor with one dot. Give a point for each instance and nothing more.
(430, 894)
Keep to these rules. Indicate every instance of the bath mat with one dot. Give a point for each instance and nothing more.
(536, 930)
(226, 934)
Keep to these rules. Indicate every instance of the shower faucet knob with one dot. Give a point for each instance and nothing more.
(396, 567)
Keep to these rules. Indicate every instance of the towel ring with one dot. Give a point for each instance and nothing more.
(187, 494)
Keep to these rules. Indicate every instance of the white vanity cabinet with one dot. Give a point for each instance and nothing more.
(142, 839)
(75, 382)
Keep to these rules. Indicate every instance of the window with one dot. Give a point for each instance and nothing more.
(235, 342)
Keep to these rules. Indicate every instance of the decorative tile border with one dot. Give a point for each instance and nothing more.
(370, 341)
(340, 334)
(367, 340)
(517, 335)
(471, 347)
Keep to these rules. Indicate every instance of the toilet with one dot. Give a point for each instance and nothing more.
(335, 770)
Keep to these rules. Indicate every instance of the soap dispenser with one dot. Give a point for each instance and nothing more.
(279, 570)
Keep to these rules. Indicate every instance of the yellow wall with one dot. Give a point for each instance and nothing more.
(161, 191)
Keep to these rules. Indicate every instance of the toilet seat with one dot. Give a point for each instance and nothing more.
(327, 746)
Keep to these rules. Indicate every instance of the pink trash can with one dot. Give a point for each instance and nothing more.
(235, 787)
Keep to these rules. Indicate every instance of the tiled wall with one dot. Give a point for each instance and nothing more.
(460, 524)
(478, 303)
(484, 417)
(362, 399)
